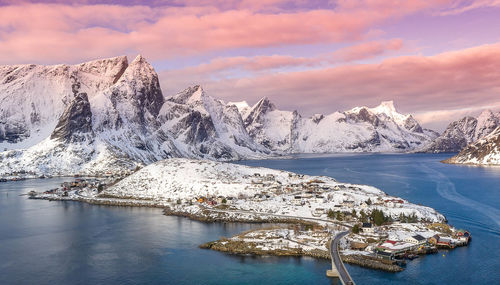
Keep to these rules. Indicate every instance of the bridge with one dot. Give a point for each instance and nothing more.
(338, 269)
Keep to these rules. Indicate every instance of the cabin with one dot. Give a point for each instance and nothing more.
(318, 199)
(269, 177)
(318, 212)
(367, 228)
(416, 240)
(463, 236)
(397, 248)
(348, 203)
(297, 201)
(445, 242)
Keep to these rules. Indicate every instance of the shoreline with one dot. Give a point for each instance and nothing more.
(240, 247)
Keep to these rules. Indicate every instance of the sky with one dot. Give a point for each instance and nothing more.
(436, 59)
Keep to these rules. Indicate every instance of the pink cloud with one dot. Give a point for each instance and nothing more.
(52, 33)
(366, 50)
(451, 80)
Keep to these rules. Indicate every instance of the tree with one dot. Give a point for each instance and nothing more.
(378, 217)
(224, 201)
(331, 214)
(353, 213)
(340, 216)
(363, 216)
(368, 202)
(355, 229)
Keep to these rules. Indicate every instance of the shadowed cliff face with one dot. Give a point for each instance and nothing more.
(485, 151)
(33, 97)
(75, 124)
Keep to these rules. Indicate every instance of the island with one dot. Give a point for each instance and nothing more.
(304, 212)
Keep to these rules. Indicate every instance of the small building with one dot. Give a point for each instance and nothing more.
(416, 239)
(367, 228)
(318, 199)
(297, 201)
(348, 203)
(318, 212)
(445, 242)
(463, 236)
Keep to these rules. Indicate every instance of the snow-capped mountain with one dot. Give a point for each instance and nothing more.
(203, 126)
(119, 123)
(361, 129)
(485, 151)
(33, 97)
(460, 133)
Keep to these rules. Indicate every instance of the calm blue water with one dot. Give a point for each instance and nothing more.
(468, 196)
(45, 242)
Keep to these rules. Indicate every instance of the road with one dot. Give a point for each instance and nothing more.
(344, 276)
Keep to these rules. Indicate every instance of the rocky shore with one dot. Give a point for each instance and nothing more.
(240, 247)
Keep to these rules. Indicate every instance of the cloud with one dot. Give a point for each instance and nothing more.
(460, 7)
(366, 50)
(451, 80)
(438, 118)
(54, 33)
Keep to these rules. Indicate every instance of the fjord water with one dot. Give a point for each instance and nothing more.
(44, 242)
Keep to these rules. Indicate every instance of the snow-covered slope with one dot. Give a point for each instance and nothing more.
(485, 151)
(361, 129)
(32, 97)
(187, 179)
(127, 123)
(460, 133)
(202, 126)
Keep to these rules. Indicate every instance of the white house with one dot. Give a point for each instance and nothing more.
(416, 239)
(367, 228)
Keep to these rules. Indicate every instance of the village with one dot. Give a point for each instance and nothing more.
(385, 231)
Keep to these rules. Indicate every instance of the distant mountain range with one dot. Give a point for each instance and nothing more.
(379, 129)
(467, 130)
(485, 151)
(111, 115)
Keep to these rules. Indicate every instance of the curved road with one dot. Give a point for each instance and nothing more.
(344, 276)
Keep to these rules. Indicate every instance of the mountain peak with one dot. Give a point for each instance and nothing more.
(189, 95)
(486, 114)
(265, 105)
(386, 107)
(139, 58)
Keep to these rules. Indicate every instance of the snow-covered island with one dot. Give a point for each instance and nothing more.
(307, 210)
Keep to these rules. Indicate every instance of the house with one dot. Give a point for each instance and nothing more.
(416, 239)
(367, 228)
(318, 212)
(258, 197)
(297, 201)
(445, 242)
(396, 248)
(394, 203)
(348, 203)
(463, 236)
(269, 177)
(318, 199)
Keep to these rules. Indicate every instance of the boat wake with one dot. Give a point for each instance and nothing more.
(446, 189)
